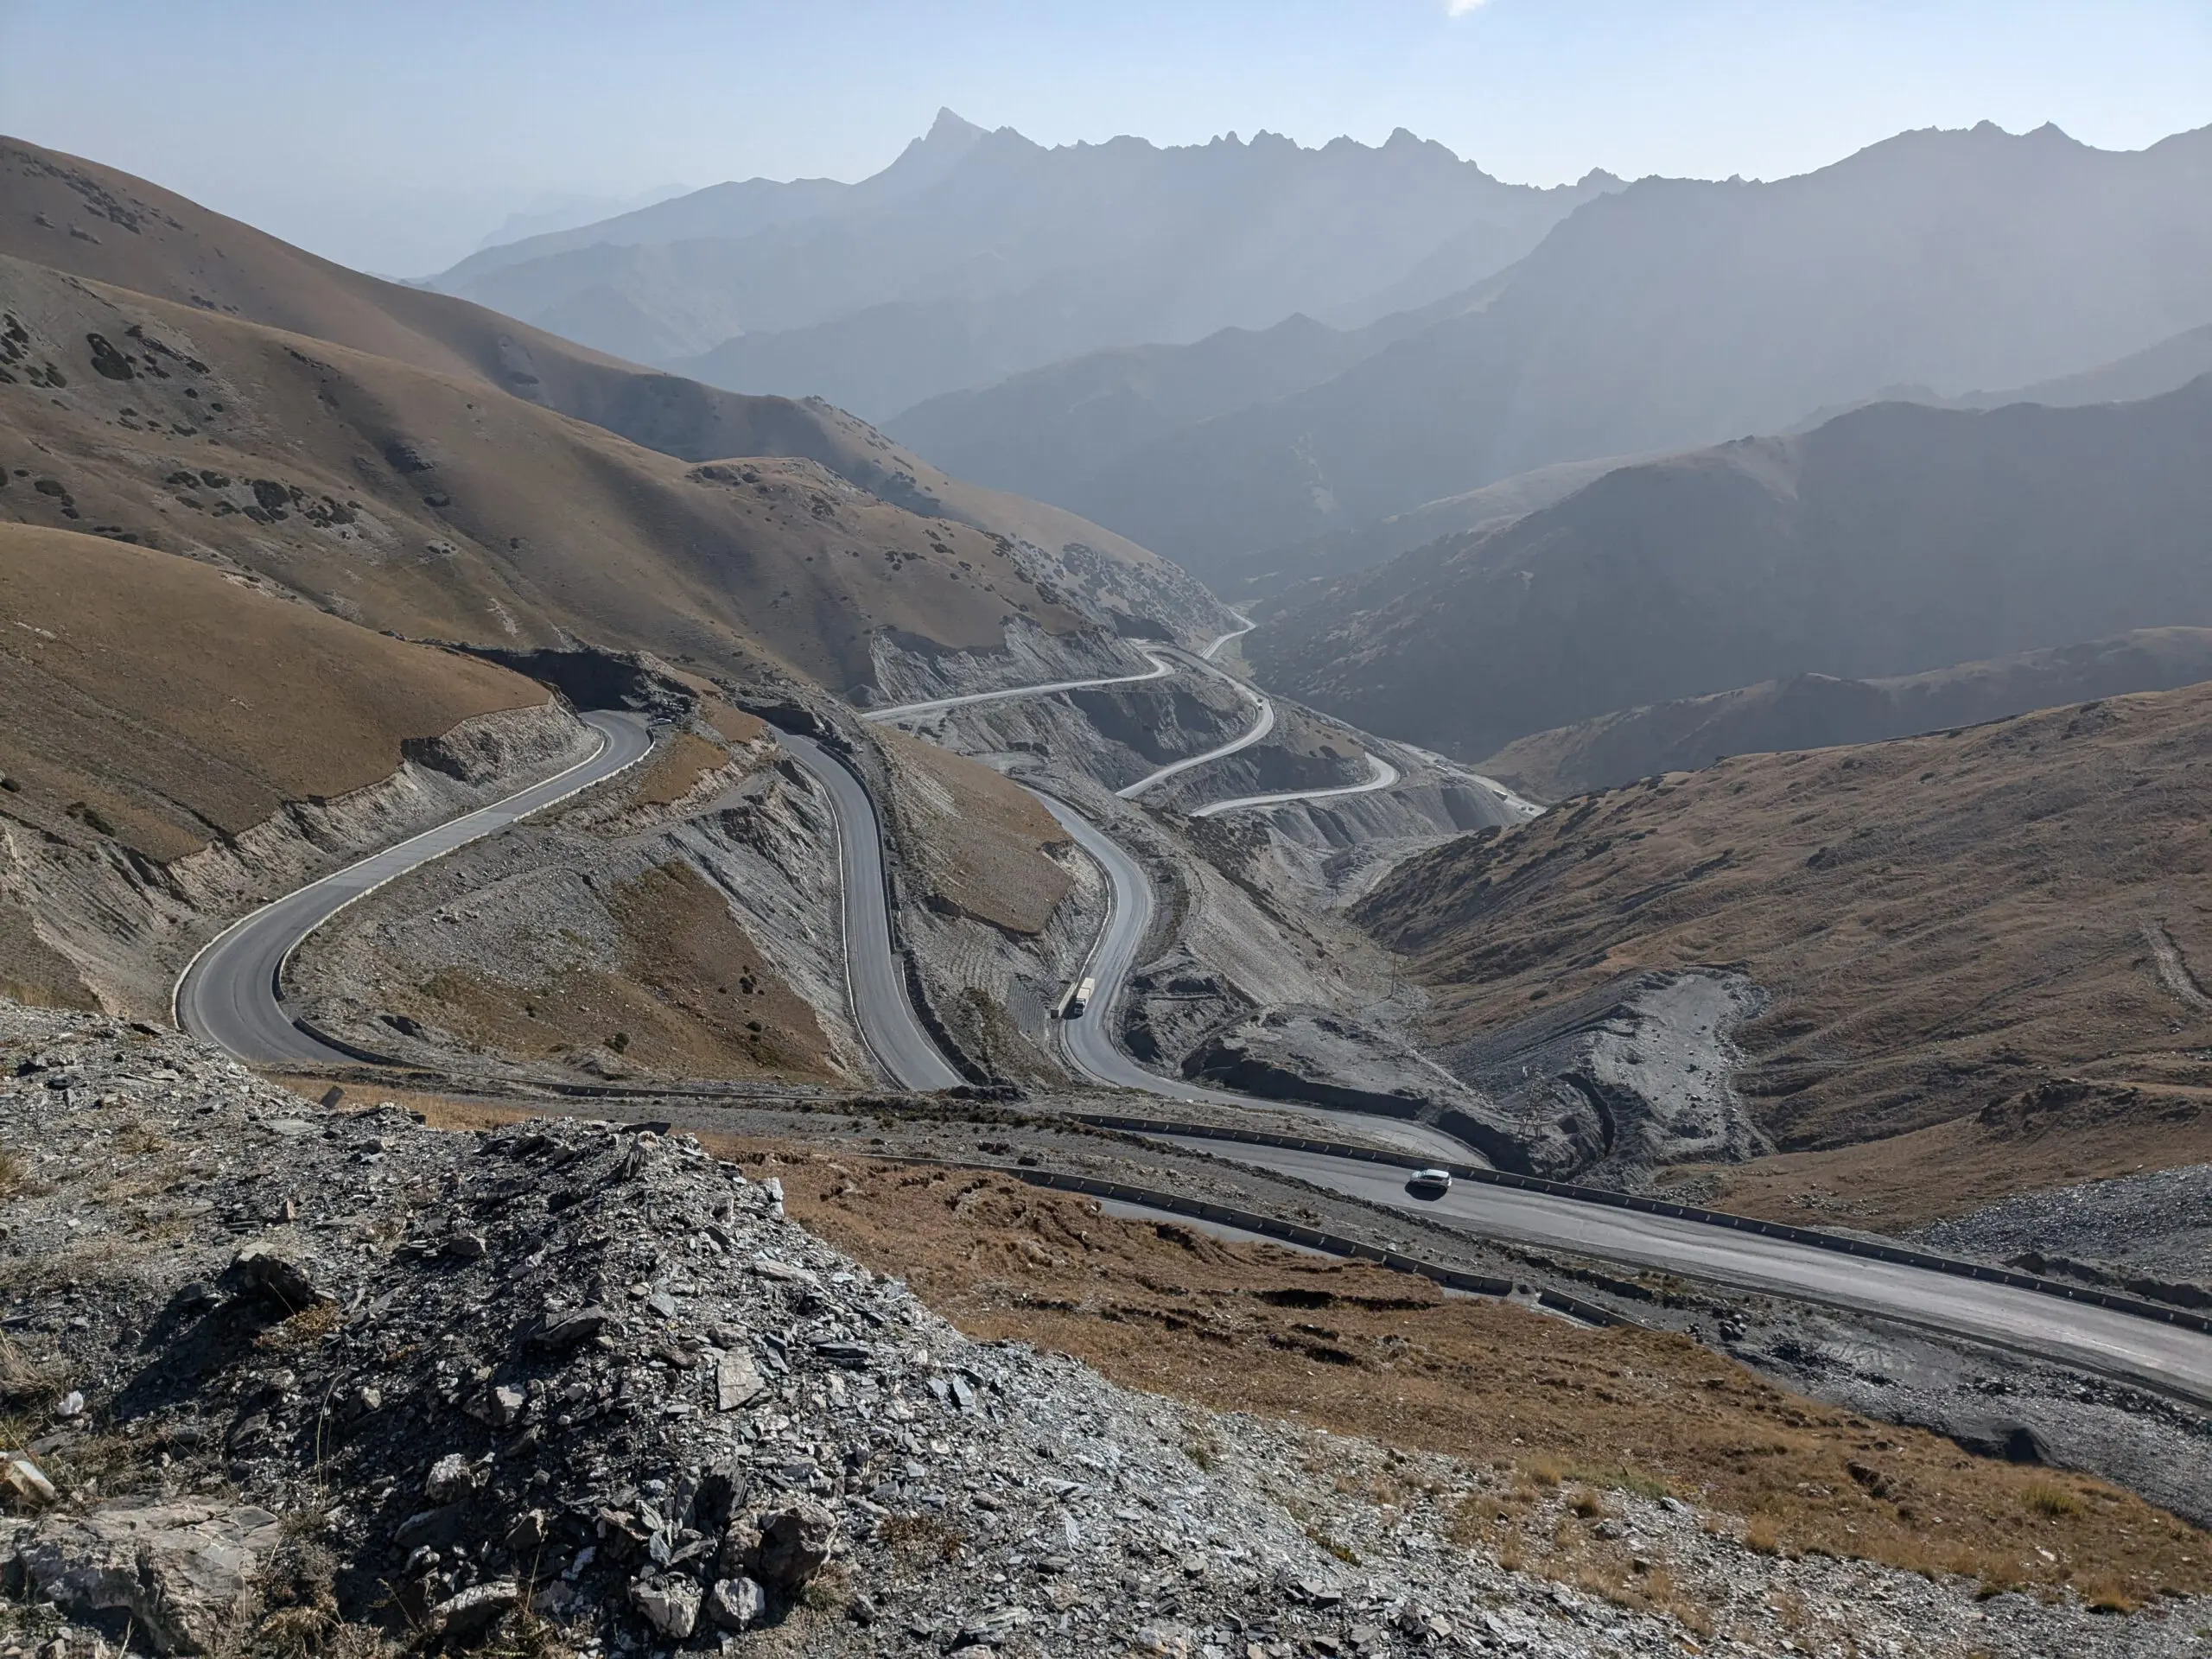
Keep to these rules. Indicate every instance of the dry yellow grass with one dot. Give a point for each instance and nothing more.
(676, 770)
(157, 699)
(1903, 1182)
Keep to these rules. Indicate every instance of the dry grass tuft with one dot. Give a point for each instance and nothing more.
(304, 1328)
(135, 1140)
(922, 1534)
(2108, 1595)
(14, 1173)
(2049, 1498)
(21, 1378)
(1331, 1546)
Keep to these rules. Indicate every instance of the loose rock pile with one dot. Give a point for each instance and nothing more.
(281, 1373)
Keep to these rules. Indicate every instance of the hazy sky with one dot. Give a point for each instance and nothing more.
(392, 134)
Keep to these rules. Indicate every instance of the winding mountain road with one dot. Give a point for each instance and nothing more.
(1162, 666)
(875, 974)
(1088, 1039)
(1381, 775)
(2103, 1339)
(232, 991)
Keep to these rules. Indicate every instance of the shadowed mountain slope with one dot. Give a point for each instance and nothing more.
(1676, 313)
(1892, 540)
(1817, 711)
(1046, 431)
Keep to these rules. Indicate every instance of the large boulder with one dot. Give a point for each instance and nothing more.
(183, 1572)
(462, 1619)
(794, 1545)
(736, 1604)
(669, 1605)
(262, 1269)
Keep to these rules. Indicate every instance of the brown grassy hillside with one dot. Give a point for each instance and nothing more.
(1947, 925)
(77, 216)
(422, 503)
(175, 702)
(975, 842)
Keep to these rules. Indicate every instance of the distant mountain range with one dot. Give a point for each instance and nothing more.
(977, 255)
(1665, 316)
(1819, 711)
(1892, 540)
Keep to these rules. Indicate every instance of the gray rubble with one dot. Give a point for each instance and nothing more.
(589, 1377)
(2149, 1234)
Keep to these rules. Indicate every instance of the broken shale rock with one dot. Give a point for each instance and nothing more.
(944, 1494)
(182, 1573)
(265, 1271)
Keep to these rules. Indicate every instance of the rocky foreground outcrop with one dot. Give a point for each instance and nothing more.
(291, 1380)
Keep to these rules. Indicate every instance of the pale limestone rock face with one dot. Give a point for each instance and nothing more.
(183, 1572)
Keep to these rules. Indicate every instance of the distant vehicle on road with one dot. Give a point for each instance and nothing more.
(1079, 998)
(1429, 1182)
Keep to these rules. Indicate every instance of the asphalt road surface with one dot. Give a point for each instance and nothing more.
(1161, 668)
(1088, 1039)
(1381, 774)
(875, 971)
(229, 993)
(1264, 723)
(2101, 1339)
(1211, 651)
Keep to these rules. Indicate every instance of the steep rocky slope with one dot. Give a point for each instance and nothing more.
(91, 221)
(681, 921)
(1999, 931)
(295, 1379)
(1892, 540)
(998, 907)
(180, 744)
(1815, 710)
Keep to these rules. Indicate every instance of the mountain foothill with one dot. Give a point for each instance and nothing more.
(1597, 488)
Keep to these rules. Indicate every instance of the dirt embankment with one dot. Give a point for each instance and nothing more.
(682, 922)
(997, 907)
(1941, 924)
